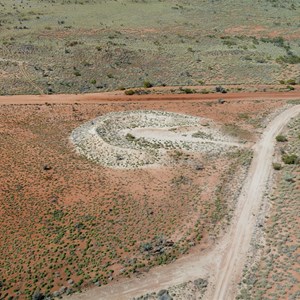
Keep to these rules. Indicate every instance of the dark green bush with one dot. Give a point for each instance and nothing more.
(187, 90)
(277, 166)
(291, 81)
(289, 59)
(290, 88)
(146, 247)
(229, 43)
(129, 92)
(281, 138)
(147, 84)
(130, 137)
(290, 159)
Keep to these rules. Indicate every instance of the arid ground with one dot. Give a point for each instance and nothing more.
(69, 223)
(149, 149)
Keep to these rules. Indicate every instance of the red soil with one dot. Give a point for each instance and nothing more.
(82, 221)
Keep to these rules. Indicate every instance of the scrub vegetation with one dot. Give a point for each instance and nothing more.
(274, 274)
(87, 46)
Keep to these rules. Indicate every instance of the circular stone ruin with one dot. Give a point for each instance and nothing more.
(133, 139)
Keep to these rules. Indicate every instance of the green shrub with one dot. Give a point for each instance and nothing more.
(290, 159)
(187, 90)
(291, 81)
(147, 84)
(77, 73)
(289, 59)
(145, 247)
(277, 166)
(130, 137)
(129, 92)
(229, 43)
(276, 41)
(204, 91)
(281, 138)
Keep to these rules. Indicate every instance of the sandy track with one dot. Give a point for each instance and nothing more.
(233, 248)
(111, 97)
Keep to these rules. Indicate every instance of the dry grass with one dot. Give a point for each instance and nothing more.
(87, 46)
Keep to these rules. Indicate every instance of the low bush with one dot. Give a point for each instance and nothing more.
(148, 84)
(290, 159)
(291, 81)
(77, 73)
(277, 166)
(220, 89)
(187, 90)
(290, 88)
(129, 92)
(130, 137)
(281, 138)
(289, 59)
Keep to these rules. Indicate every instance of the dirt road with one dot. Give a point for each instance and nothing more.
(233, 249)
(118, 96)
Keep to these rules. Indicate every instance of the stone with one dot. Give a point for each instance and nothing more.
(62, 290)
(56, 294)
(164, 295)
(47, 167)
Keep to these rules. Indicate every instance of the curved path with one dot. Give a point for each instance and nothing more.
(236, 244)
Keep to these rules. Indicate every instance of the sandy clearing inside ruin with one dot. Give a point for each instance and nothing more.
(168, 135)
